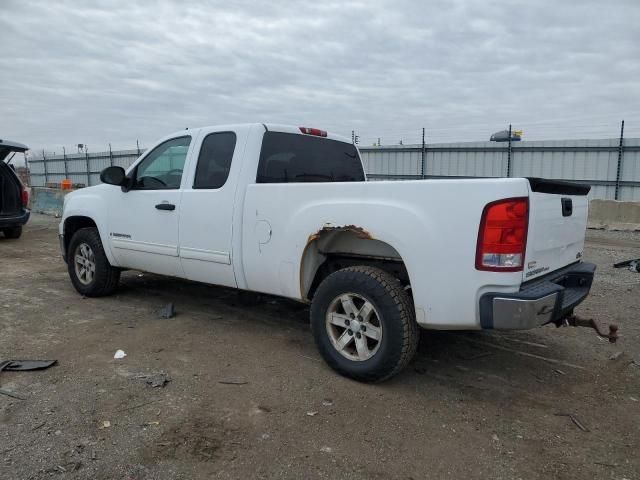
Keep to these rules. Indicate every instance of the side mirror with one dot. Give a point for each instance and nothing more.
(113, 176)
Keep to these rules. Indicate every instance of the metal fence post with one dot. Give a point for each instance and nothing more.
(86, 158)
(509, 154)
(423, 156)
(46, 172)
(620, 157)
(64, 157)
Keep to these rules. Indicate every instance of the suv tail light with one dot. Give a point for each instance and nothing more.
(502, 237)
(313, 131)
(24, 197)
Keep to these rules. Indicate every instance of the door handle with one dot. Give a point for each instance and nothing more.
(165, 206)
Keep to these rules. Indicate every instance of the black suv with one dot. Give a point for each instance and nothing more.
(14, 198)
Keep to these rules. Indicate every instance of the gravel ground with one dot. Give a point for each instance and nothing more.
(249, 397)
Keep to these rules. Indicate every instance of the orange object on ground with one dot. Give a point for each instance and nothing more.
(65, 184)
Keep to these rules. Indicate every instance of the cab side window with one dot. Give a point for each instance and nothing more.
(214, 161)
(162, 168)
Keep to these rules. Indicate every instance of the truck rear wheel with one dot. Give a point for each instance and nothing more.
(89, 269)
(13, 232)
(364, 323)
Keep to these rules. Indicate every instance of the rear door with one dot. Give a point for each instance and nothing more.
(557, 225)
(206, 219)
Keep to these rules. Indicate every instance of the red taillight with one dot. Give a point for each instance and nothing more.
(24, 196)
(313, 131)
(502, 238)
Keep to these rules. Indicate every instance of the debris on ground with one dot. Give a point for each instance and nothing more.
(476, 356)
(106, 424)
(22, 366)
(326, 449)
(632, 265)
(574, 420)
(11, 394)
(327, 402)
(155, 379)
(232, 382)
(25, 365)
(119, 354)
(312, 413)
(168, 311)
(616, 355)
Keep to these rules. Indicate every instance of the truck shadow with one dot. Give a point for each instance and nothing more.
(487, 364)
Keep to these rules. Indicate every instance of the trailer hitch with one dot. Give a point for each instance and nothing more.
(576, 321)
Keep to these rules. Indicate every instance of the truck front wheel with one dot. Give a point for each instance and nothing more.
(89, 269)
(364, 323)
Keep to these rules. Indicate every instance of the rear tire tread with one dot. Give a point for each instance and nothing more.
(397, 301)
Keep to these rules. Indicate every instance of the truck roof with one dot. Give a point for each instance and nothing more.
(273, 127)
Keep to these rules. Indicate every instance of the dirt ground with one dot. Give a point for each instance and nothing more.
(472, 405)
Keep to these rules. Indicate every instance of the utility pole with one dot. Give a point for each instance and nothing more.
(353, 136)
(110, 156)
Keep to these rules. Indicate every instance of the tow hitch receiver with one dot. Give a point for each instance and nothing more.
(576, 321)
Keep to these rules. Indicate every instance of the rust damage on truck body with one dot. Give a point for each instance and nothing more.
(328, 228)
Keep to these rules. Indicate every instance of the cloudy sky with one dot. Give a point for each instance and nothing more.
(115, 71)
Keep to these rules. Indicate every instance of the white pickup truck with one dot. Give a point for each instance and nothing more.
(287, 211)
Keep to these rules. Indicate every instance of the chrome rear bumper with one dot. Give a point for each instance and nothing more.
(548, 299)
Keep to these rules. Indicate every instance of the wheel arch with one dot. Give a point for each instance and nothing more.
(74, 223)
(333, 248)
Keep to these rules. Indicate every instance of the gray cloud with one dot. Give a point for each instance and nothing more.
(116, 71)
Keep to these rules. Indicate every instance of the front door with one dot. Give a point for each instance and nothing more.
(143, 222)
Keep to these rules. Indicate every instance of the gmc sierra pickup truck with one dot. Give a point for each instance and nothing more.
(287, 211)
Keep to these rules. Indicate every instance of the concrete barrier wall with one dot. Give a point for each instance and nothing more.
(47, 200)
(613, 215)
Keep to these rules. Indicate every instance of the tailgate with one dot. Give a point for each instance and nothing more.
(557, 225)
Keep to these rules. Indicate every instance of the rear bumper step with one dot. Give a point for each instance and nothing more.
(551, 298)
(15, 220)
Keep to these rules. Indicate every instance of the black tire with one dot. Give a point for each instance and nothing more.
(400, 333)
(105, 279)
(13, 232)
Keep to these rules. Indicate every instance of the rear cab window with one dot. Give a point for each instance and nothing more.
(214, 161)
(296, 158)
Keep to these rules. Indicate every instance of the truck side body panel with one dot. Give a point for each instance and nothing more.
(432, 224)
